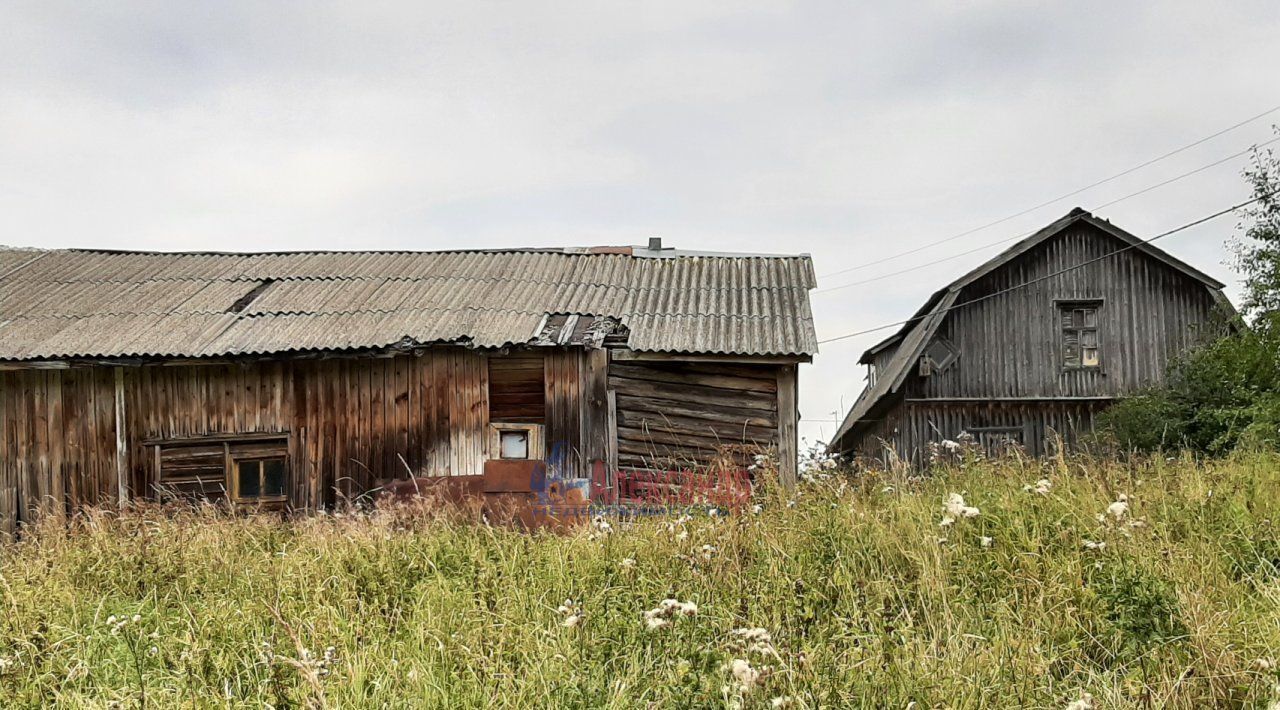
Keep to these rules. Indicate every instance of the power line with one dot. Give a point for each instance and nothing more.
(1059, 272)
(1046, 203)
(1005, 240)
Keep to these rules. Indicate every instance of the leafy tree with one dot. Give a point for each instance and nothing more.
(1258, 253)
(1227, 393)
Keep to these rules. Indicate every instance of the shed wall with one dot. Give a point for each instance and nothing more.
(351, 423)
(1010, 344)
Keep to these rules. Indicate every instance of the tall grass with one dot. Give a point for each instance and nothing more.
(867, 599)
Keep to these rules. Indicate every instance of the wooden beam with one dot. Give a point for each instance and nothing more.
(613, 432)
(1010, 399)
(788, 414)
(122, 441)
(622, 354)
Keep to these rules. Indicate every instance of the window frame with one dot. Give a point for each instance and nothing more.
(259, 459)
(1064, 305)
(233, 449)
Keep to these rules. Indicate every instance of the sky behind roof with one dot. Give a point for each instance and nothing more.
(850, 131)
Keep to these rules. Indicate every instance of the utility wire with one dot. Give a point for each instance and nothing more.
(1046, 203)
(1059, 272)
(988, 245)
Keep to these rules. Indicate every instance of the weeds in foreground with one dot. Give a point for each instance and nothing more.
(1012, 583)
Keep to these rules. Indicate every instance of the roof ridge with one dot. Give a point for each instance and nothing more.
(637, 252)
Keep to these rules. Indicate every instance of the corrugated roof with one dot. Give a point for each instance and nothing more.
(99, 304)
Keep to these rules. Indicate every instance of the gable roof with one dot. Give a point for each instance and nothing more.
(915, 334)
(84, 304)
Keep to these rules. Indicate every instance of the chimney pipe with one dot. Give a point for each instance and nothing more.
(655, 243)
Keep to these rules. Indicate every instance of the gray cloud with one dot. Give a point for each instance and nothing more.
(847, 130)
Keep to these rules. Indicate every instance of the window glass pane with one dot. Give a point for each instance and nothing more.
(1071, 355)
(1089, 338)
(1089, 357)
(273, 477)
(514, 444)
(250, 484)
(1091, 318)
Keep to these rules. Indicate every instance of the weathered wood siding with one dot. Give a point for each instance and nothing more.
(58, 445)
(1010, 373)
(907, 429)
(1011, 344)
(351, 424)
(680, 414)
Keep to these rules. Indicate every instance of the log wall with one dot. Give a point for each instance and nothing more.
(681, 414)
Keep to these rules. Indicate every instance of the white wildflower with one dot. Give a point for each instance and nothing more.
(661, 615)
(887, 489)
(1264, 665)
(947, 521)
(1119, 508)
(570, 610)
(748, 678)
(782, 701)
(1042, 487)
(1084, 703)
(955, 506)
(1093, 545)
(757, 508)
(682, 536)
(627, 564)
(986, 541)
(950, 445)
(791, 504)
(708, 552)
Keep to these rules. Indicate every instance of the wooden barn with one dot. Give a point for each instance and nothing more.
(1031, 345)
(300, 379)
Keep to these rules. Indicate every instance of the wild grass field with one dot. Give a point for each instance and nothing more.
(1069, 583)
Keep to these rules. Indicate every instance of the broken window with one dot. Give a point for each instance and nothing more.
(1080, 344)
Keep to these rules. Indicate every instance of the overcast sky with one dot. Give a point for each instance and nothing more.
(850, 131)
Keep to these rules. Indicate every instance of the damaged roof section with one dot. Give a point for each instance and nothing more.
(57, 304)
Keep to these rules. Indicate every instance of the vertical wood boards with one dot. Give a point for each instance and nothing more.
(91, 435)
(1010, 344)
(788, 414)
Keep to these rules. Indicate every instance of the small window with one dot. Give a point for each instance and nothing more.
(514, 444)
(251, 470)
(259, 480)
(937, 357)
(1080, 344)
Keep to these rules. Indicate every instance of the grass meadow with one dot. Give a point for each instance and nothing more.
(1067, 583)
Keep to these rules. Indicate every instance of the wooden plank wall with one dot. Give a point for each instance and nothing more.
(1011, 344)
(909, 427)
(352, 423)
(679, 414)
(57, 450)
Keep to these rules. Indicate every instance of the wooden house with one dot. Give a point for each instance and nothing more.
(1030, 346)
(299, 379)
